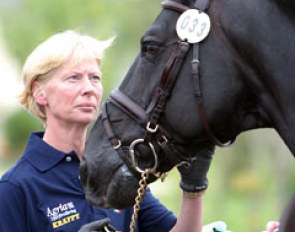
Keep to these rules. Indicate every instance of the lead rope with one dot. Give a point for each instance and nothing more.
(140, 194)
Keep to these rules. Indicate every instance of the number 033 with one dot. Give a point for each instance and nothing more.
(193, 26)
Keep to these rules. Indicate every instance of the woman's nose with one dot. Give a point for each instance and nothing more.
(87, 86)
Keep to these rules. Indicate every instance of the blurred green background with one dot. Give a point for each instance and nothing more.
(250, 182)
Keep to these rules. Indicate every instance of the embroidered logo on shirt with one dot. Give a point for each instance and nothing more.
(62, 214)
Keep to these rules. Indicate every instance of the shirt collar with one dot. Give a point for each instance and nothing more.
(43, 156)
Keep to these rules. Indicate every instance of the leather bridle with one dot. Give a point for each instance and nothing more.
(149, 118)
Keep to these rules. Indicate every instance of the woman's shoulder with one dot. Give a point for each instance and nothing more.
(18, 173)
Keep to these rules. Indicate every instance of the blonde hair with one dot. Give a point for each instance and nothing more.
(50, 55)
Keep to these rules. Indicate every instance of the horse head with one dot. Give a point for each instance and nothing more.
(185, 94)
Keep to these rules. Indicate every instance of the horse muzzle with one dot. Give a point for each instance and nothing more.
(105, 190)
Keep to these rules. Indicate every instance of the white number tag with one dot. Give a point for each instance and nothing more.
(193, 26)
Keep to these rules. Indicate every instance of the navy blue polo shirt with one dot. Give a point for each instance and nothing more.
(42, 192)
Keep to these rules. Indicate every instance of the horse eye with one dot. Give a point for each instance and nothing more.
(150, 49)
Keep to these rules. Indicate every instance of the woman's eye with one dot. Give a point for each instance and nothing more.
(73, 77)
(95, 77)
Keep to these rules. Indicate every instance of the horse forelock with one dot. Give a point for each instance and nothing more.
(189, 3)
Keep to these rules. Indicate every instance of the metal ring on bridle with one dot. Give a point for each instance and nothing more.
(116, 147)
(134, 161)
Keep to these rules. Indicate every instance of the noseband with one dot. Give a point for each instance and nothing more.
(149, 118)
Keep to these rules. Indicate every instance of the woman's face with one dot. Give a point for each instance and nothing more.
(74, 92)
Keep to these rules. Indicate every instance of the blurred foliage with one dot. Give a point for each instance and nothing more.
(250, 182)
(17, 129)
(36, 20)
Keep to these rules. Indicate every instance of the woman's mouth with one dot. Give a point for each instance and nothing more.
(87, 107)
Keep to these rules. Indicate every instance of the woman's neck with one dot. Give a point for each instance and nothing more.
(66, 139)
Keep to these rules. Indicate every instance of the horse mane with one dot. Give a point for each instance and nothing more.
(287, 3)
(288, 7)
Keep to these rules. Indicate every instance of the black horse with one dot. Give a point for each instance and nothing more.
(181, 96)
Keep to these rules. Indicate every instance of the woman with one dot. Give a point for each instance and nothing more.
(42, 192)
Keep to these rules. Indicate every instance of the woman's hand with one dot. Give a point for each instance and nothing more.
(98, 226)
(272, 226)
(194, 171)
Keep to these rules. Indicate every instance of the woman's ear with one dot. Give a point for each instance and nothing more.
(38, 94)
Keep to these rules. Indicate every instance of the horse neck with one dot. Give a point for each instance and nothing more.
(262, 36)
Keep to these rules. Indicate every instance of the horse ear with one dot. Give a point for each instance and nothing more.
(38, 94)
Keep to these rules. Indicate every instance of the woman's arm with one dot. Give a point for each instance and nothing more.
(12, 208)
(194, 183)
(190, 218)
